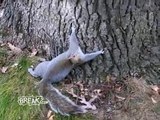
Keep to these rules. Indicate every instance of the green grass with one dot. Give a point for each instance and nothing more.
(3, 56)
(14, 84)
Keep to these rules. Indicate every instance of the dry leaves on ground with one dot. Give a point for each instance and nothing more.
(4, 69)
(50, 115)
(14, 49)
(34, 52)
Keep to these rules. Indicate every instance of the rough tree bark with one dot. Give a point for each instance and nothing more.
(128, 31)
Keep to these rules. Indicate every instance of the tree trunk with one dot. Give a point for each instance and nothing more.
(127, 30)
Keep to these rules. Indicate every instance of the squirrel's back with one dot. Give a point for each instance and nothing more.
(58, 68)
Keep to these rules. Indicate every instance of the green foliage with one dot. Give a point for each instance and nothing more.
(14, 84)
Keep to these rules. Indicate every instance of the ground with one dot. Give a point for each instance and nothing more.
(115, 98)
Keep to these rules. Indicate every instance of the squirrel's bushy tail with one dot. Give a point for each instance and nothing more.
(58, 102)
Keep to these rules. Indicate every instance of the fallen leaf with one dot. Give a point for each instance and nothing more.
(120, 98)
(14, 65)
(49, 114)
(98, 92)
(34, 52)
(153, 100)
(3, 44)
(71, 91)
(88, 104)
(118, 89)
(4, 69)
(16, 50)
(155, 88)
(51, 117)
(80, 85)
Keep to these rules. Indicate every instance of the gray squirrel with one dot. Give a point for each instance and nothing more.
(56, 70)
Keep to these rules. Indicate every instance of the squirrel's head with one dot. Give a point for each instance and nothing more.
(75, 58)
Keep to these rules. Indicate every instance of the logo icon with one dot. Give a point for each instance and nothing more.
(31, 100)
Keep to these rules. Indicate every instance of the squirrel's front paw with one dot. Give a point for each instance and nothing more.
(102, 51)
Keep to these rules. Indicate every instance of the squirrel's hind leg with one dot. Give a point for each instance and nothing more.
(31, 71)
